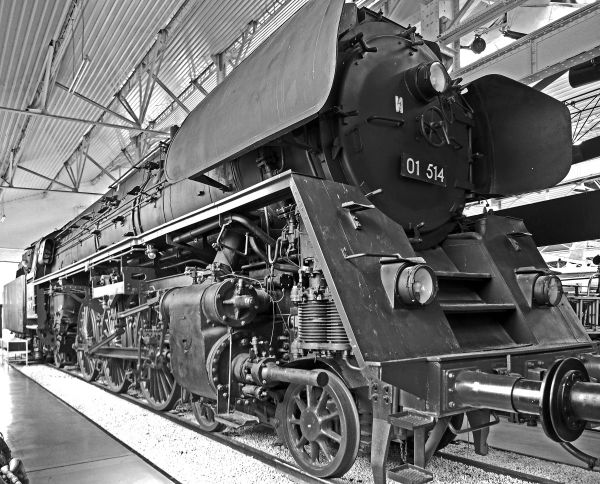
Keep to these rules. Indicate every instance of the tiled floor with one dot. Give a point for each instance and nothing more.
(57, 445)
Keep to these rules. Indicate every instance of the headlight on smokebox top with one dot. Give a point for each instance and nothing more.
(547, 291)
(438, 77)
(427, 80)
(416, 285)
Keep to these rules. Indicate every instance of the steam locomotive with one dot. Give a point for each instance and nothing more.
(297, 256)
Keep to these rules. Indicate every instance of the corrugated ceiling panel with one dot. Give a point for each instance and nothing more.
(116, 36)
(210, 28)
(26, 29)
(179, 80)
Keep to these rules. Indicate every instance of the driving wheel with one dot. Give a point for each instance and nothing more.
(321, 427)
(115, 375)
(160, 389)
(89, 331)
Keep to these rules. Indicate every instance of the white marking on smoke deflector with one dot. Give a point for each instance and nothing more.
(399, 104)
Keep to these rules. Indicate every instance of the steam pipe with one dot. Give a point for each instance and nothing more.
(253, 228)
(184, 262)
(240, 219)
(272, 374)
(195, 233)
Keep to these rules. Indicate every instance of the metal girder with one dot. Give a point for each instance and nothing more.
(154, 53)
(488, 15)
(129, 109)
(44, 88)
(94, 103)
(82, 121)
(44, 190)
(155, 63)
(200, 88)
(461, 13)
(556, 47)
(561, 220)
(171, 94)
(52, 180)
(221, 66)
(97, 165)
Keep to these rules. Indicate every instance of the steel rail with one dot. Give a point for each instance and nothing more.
(261, 456)
(495, 469)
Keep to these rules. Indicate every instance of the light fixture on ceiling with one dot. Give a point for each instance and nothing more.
(79, 75)
(2, 218)
(477, 46)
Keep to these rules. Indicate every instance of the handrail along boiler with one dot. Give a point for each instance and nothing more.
(299, 257)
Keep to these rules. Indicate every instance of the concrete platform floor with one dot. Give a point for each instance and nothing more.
(57, 444)
(533, 442)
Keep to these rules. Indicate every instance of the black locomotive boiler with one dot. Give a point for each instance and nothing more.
(299, 257)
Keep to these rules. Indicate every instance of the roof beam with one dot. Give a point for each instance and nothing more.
(172, 27)
(557, 46)
(19, 167)
(171, 94)
(97, 165)
(71, 192)
(82, 121)
(94, 103)
(488, 15)
(461, 13)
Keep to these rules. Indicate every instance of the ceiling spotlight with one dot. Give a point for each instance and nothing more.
(477, 46)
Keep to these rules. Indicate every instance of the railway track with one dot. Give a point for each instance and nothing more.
(290, 470)
(261, 456)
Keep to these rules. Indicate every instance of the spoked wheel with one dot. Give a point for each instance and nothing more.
(205, 416)
(88, 366)
(321, 427)
(89, 330)
(115, 374)
(160, 389)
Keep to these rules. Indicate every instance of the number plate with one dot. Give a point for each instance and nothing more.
(422, 170)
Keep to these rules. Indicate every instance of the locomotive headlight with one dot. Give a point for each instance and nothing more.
(427, 80)
(151, 252)
(438, 77)
(416, 285)
(547, 291)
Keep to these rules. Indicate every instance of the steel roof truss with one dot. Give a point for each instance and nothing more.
(95, 104)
